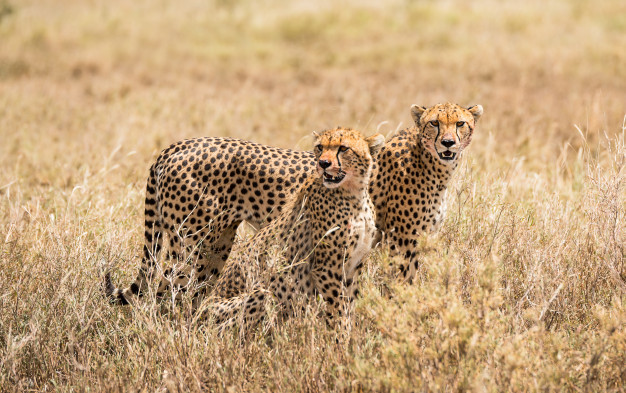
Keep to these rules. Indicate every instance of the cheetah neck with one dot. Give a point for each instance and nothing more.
(351, 195)
(315, 191)
(357, 188)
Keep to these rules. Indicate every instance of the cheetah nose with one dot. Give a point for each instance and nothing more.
(324, 164)
(448, 142)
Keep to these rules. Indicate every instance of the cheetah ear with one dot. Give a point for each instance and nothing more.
(476, 111)
(316, 134)
(416, 113)
(375, 142)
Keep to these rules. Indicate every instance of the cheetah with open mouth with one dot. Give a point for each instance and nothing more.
(200, 190)
(324, 234)
(325, 230)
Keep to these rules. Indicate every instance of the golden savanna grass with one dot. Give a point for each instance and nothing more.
(523, 288)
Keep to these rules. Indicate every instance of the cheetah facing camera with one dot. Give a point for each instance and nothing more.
(321, 238)
(412, 174)
(192, 210)
(200, 190)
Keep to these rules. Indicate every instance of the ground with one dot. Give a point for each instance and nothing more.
(524, 288)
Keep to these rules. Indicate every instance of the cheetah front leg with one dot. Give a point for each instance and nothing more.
(405, 252)
(336, 292)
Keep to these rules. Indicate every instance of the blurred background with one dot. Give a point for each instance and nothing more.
(86, 83)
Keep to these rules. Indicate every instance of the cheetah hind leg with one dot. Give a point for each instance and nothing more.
(178, 277)
(197, 266)
(216, 255)
(186, 262)
(211, 261)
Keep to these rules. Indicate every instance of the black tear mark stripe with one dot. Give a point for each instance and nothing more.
(338, 151)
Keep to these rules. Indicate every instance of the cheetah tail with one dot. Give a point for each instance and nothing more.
(115, 296)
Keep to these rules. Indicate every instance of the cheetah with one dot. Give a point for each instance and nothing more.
(412, 174)
(200, 190)
(321, 237)
(337, 216)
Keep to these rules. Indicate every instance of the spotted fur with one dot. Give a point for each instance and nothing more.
(200, 190)
(193, 219)
(316, 245)
(412, 175)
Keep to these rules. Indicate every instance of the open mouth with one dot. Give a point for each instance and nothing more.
(447, 155)
(328, 178)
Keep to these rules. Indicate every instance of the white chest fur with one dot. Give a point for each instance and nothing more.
(362, 229)
(440, 212)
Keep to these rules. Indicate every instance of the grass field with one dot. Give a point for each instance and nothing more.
(523, 289)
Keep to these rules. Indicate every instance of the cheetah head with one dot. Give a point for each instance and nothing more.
(446, 129)
(345, 157)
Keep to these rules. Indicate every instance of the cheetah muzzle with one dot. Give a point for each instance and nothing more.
(328, 178)
(447, 155)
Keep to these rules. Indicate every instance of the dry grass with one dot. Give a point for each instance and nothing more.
(523, 289)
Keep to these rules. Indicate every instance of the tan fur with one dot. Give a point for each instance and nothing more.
(411, 177)
(200, 190)
(320, 239)
(324, 230)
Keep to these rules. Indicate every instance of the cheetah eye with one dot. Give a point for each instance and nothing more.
(343, 148)
(460, 123)
(434, 123)
(318, 147)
